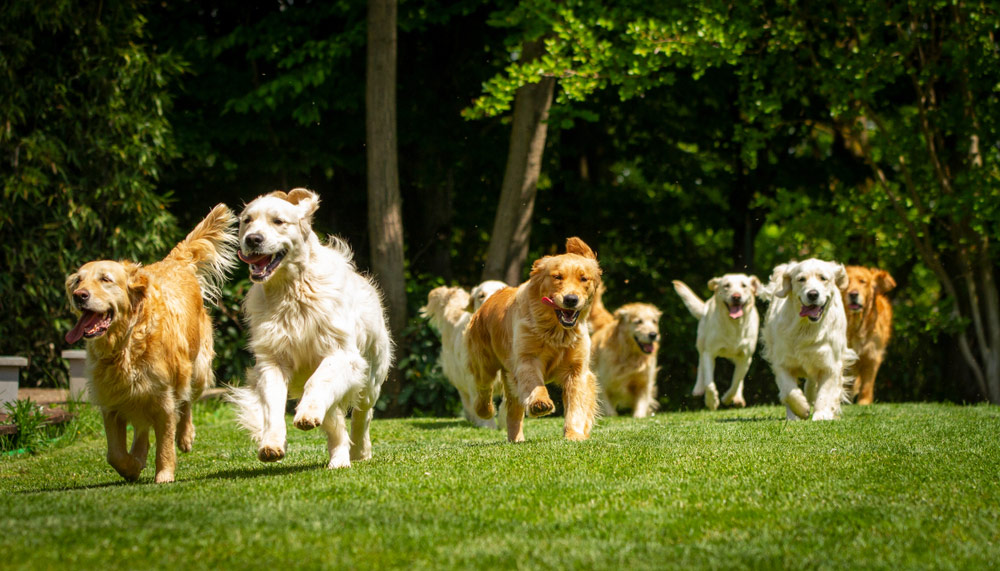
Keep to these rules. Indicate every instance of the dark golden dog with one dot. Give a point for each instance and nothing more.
(537, 333)
(869, 324)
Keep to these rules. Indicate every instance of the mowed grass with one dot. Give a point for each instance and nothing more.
(888, 486)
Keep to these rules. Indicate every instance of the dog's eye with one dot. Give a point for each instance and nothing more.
(246, 219)
(862, 282)
(822, 278)
(583, 279)
(107, 279)
(278, 221)
(802, 279)
(557, 277)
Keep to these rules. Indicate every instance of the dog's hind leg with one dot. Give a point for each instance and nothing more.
(734, 396)
(338, 443)
(361, 441)
(185, 428)
(514, 414)
(332, 380)
(165, 427)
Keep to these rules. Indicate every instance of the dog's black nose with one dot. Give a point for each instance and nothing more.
(737, 297)
(81, 295)
(253, 240)
(653, 336)
(853, 295)
(570, 300)
(812, 295)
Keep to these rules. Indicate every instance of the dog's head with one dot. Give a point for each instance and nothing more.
(641, 322)
(863, 284)
(566, 284)
(814, 283)
(443, 302)
(103, 294)
(483, 291)
(736, 291)
(274, 228)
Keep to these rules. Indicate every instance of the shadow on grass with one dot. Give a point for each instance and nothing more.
(260, 471)
(749, 419)
(82, 487)
(437, 424)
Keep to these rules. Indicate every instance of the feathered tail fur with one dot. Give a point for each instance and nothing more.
(249, 408)
(211, 249)
(694, 303)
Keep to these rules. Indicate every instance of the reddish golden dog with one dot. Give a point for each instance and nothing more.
(869, 324)
(149, 342)
(537, 333)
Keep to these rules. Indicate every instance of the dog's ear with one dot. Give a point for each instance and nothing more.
(840, 277)
(786, 285)
(539, 265)
(577, 246)
(138, 282)
(305, 199)
(71, 282)
(755, 284)
(884, 281)
(713, 284)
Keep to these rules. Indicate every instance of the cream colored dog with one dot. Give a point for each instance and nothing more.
(728, 324)
(448, 310)
(623, 356)
(149, 342)
(805, 336)
(317, 330)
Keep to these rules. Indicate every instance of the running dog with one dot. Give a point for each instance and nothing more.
(624, 359)
(869, 324)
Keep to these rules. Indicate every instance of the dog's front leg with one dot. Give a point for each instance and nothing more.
(529, 384)
(579, 403)
(734, 396)
(829, 392)
(332, 380)
(272, 388)
(165, 428)
(513, 412)
(123, 462)
(706, 379)
(789, 393)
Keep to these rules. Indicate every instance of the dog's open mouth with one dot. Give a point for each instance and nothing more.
(567, 317)
(855, 306)
(646, 348)
(735, 310)
(90, 325)
(813, 312)
(261, 265)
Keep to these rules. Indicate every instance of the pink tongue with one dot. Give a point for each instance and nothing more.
(735, 311)
(810, 311)
(254, 260)
(87, 320)
(548, 301)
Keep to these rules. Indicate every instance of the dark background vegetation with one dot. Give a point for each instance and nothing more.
(125, 122)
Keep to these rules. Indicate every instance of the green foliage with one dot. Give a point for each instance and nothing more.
(232, 355)
(84, 138)
(31, 434)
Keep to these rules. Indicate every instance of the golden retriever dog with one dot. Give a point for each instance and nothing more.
(805, 337)
(149, 342)
(869, 324)
(449, 310)
(317, 330)
(728, 324)
(623, 356)
(537, 333)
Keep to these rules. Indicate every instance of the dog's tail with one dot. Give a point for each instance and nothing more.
(210, 250)
(249, 409)
(599, 315)
(694, 303)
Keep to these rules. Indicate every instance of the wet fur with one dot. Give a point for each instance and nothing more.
(156, 356)
(317, 330)
(720, 335)
(870, 327)
(799, 348)
(518, 335)
(626, 375)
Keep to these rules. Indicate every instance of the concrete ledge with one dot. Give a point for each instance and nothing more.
(10, 374)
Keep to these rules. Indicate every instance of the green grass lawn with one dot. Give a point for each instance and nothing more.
(888, 486)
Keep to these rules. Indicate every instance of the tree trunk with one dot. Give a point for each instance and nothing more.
(512, 225)
(385, 220)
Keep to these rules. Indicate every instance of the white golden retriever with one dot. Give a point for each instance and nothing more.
(317, 330)
(805, 336)
(728, 324)
(449, 310)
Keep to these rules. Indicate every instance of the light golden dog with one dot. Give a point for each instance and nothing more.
(805, 337)
(449, 310)
(149, 342)
(537, 333)
(728, 324)
(623, 355)
(869, 324)
(318, 332)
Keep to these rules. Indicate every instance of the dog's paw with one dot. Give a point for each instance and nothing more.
(185, 443)
(797, 403)
(740, 402)
(824, 415)
(339, 459)
(164, 476)
(128, 467)
(485, 409)
(712, 398)
(270, 454)
(575, 436)
(541, 407)
(305, 422)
